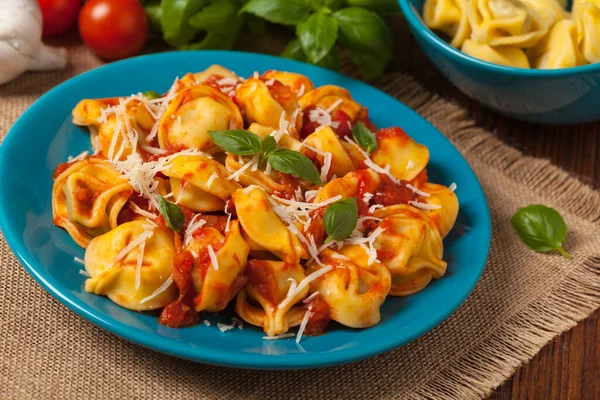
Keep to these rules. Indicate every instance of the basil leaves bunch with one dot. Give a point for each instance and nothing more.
(244, 143)
(196, 24)
(171, 213)
(322, 27)
(321, 24)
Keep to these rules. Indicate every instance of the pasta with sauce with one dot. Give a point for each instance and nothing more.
(173, 219)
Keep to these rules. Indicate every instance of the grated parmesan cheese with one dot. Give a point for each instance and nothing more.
(301, 91)
(224, 328)
(333, 106)
(452, 187)
(228, 216)
(304, 283)
(282, 336)
(311, 297)
(84, 273)
(140, 211)
(81, 156)
(326, 166)
(207, 322)
(78, 260)
(195, 224)
(424, 206)
(213, 257)
(417, 191)
(158, 291)
(303, 324)
(211, 179)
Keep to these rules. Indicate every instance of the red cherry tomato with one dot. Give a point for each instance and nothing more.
(113, 29)
(58, 15)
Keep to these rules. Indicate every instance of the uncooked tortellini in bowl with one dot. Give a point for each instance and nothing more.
(538, 34)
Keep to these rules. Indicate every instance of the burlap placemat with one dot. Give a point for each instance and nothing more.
(523, 300)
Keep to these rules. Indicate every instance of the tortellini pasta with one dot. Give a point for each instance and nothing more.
(192, 113)
(411, 247)
(268, 285)
(519, 33)
(354, 289)
(130, 280)
(199, 183)
(216, 285)
(559, 48)
(449, 17)
(586, 14)
(218, 195)
(87, 198)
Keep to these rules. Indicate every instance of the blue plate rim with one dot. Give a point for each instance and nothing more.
(242, 360)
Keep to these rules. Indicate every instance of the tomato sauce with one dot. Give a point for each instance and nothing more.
(181, 312)
(290, 183)
(319, 317)
(394, 132)
(280, 92)
(170, 150)
(127, 214)
(261, 278)
(316, 229)
(344, 128)
(390, 193)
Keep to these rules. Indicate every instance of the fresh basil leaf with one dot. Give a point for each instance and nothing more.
(364, 32)
(317, 35)
(286, 12)
(154, 13)
(381, 7)
(214, 40)
(216, 17)
(174, 21)
(326, 5)
(364, 137)
(151, 94)
(293, 50)
(294, 163)
(541, 228)
(236, 141)
(267, 147)
(340, 219)
(171, 213)
(371, 66)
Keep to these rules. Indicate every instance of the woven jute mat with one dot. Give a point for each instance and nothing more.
(523, 300)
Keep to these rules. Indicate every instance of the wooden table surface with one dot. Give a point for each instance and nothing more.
(569, 366)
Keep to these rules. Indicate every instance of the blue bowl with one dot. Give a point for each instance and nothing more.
(44, 136)
(560, 96)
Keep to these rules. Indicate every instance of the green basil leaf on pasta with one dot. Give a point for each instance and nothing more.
(237, 141)
(216, 17)
(267, 147)
(340, 219)
(151, 94)
(317, 35)
(364, 137)
(286, 12)
(296, 164)
(171, 213)
(541, 228)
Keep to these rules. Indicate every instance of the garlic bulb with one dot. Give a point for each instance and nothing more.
(21, 47)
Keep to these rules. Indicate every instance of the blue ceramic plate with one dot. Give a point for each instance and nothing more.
(44, 137)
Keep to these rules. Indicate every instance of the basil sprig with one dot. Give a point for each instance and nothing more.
(340, 219)
(364, 137)
(541, 228)
(241, 142)
(322, 27)
(171, 213)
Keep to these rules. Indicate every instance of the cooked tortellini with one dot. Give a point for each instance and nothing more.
(269, 105)
(586, 14)
(131, 279)
(509, 56)
(264, 229)
(87, 198)
(449, 17)
(199, 183)
(268, 286)
(559, 48)
(520, 33)
(354, 289)
(217, 284)
(193, 112)
(253, 194)
(106, 136)
(411, 247)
